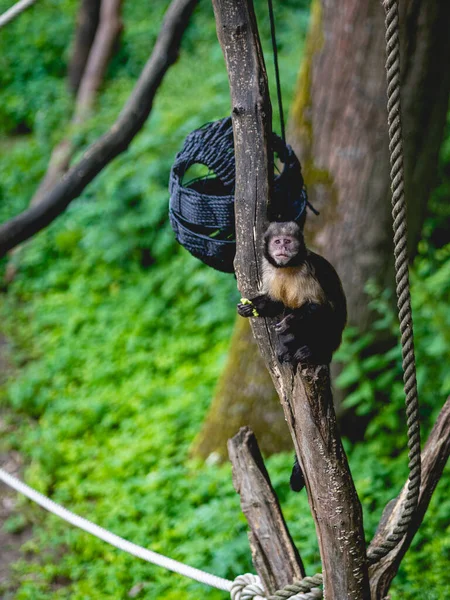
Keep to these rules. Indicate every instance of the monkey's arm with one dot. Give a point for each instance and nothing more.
(299, 319)
(332, 286)
(308, 334)
(260, 306)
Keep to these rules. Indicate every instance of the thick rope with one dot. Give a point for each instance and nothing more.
(115, 540)
(14, 11)
(249, 587)
(305, 589)
(244, 587)
(402, 280)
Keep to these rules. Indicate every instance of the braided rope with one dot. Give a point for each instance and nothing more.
(402, 280)
(305, 589)
(249, 587)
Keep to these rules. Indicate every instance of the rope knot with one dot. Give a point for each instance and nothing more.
(247, 587)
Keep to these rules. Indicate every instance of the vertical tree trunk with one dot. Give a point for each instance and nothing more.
(274, 555)
(108, 30)
(338, 128)
(87, 23)
(305, 393)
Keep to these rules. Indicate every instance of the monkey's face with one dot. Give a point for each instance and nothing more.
(283, 248)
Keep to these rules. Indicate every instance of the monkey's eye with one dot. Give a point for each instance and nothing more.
(277, 241)
(287, 241)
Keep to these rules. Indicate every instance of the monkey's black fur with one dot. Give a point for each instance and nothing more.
(305, 291)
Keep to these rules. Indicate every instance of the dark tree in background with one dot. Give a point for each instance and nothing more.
(244, 387)
(99, 25)
(86, 27)
(338, 127)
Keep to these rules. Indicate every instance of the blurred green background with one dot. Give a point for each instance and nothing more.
(113, 363)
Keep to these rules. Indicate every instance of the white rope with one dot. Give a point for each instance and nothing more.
(15, 10)
(244, 587)
(247, 587)
(115, 540)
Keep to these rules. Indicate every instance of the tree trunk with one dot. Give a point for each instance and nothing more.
(108, 31)
(338, 128)
(305, 392)
(274, 555)
(87, 23)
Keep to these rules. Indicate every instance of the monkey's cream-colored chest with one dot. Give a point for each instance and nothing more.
(293, 286)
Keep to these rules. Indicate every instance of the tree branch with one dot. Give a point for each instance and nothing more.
(434, 458)
(115, 141)
(306, 396)
(274, 554)
(85, 31)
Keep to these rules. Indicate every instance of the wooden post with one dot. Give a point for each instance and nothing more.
(274, 554)
(306, 395)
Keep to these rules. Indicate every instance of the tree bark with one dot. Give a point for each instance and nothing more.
(87, 23)
(245, 396)
(109, 28)
(274, 554)
(338, 128)
(112, 143)
(306, 395)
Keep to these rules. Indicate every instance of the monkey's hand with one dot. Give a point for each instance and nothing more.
(246, 308)
(259, 306)
(285, 324)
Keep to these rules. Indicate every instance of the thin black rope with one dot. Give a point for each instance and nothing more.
(410, 502)
(277, 70)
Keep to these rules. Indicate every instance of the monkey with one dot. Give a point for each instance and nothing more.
(304, 289)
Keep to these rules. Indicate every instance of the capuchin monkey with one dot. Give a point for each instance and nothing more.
(304, 290)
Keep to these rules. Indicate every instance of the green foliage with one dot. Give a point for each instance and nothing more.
(33, 63)
(380, 462)
(117, 335)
